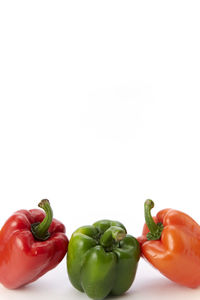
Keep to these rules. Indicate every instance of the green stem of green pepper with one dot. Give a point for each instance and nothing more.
(40, 230)
(155, 230)
(111, 236)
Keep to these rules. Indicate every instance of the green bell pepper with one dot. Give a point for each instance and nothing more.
(102, 259)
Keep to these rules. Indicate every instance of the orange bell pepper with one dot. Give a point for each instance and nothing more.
(171, 243)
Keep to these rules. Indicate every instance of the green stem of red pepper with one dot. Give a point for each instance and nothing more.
(155, 229)
(40, 230)
(111, 236)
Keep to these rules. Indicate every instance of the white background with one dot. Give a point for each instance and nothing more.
(99, 110)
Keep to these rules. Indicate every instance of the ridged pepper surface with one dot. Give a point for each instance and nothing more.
(102, 259)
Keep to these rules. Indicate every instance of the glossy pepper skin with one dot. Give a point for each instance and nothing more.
(31, 243)
(171, 243)
(102, 259)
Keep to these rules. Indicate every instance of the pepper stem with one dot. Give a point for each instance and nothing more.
(40, 230)
(155, 230)
(111, 236)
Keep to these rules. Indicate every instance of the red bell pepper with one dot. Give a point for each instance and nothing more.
(171, 243)
(31, 244)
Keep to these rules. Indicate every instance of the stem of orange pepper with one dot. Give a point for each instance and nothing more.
(155, 230)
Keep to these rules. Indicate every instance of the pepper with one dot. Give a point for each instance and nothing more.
(102, 259)
(171, 243)
(31, 243)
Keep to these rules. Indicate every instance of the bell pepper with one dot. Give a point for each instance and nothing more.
(102, 259)
(171, 243)
(31, 243)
